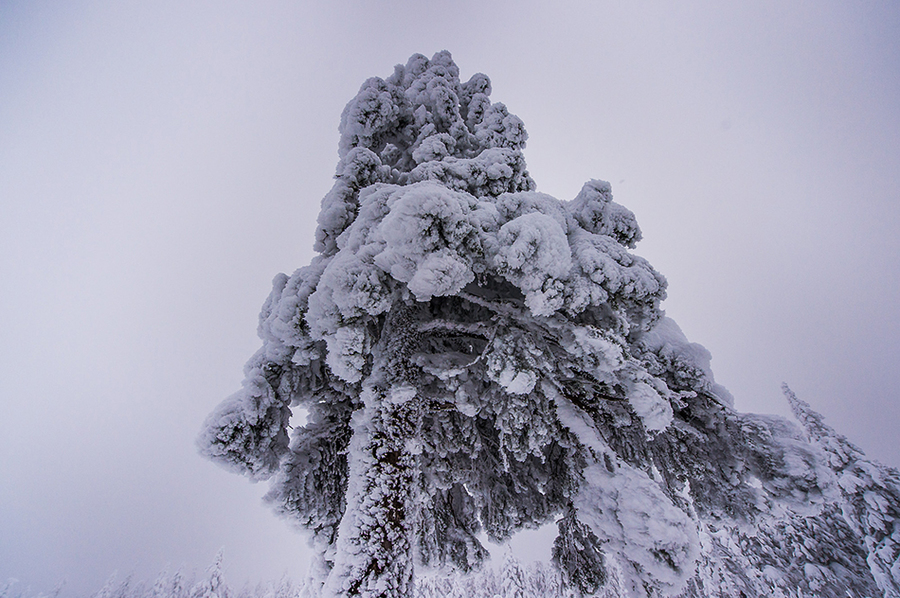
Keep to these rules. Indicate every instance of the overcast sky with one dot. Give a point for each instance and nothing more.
(160, 162)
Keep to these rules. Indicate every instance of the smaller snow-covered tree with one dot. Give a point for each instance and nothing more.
(512, 577)
(179, 585)
(213, 584)
(870, 494)
(163, 586)
(545, 579)
(114, 588)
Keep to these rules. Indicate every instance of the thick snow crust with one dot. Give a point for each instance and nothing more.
(477, 358)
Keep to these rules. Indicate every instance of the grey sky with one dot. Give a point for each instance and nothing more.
(161, 162)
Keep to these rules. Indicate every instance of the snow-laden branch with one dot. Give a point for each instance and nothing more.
(454, 327)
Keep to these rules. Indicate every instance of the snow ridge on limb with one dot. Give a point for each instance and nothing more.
(476, 358)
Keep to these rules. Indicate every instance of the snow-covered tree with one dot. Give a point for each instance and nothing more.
(475, 356)
(545, 579)
(512, 577)
(213, 584)
(870, 495)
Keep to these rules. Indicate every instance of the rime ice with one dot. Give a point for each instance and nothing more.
(476, 356)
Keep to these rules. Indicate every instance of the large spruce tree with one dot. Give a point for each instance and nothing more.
(475, 357)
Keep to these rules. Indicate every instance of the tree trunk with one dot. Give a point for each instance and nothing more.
(375, 541)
